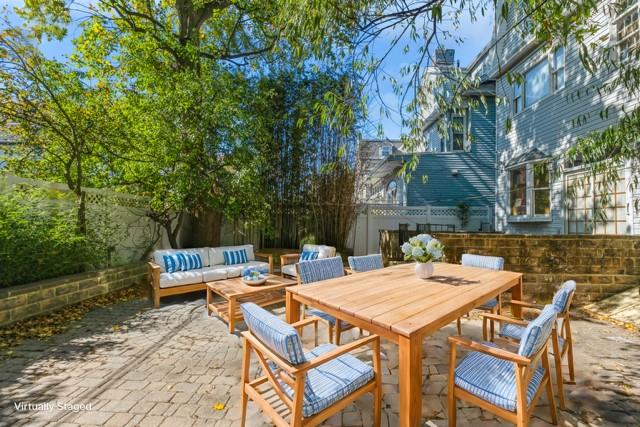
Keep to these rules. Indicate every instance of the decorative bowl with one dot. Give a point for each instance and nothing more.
(253, 281)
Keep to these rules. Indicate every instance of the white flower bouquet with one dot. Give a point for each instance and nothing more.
(423, 248)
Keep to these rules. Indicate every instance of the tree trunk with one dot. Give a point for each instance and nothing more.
(82, 213)
(207, 227)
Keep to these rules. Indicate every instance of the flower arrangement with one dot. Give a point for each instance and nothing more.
(423, 248)
(253, 273)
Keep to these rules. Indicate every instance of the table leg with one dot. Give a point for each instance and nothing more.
(232, 315)
(293, 309)
(209, 298)
(517, 294)
(410, 381)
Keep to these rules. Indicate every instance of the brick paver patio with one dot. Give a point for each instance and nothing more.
(132, 365)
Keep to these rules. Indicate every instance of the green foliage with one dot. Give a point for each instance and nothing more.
(39, 240)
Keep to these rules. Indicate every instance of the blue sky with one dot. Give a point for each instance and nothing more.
(470, 38)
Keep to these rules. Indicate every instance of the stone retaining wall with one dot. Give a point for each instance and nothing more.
(601, 265)
(21, 302)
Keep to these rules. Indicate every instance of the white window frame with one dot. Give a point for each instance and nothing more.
(518, 101)
(529, 193)
(450, 141)
(384, 149)
(555, 70)
(620, 17)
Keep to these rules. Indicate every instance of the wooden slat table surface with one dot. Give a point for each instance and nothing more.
(395, 304)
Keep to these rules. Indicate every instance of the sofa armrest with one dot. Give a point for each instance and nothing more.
(268, 257)
(154, 281)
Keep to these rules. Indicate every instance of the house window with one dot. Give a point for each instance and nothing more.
(385, 151)
(596, 207)
(530, 190)
(627, 26)
(457, 132)
(392, 192)
(518, 191)
(536, 83)
(517, 98)
(558, 68)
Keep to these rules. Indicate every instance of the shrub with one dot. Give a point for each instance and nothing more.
(38, 238)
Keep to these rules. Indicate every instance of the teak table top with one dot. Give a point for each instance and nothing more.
(394, 299)
(235, 287)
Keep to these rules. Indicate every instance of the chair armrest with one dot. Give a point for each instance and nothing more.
(505, 319)
(491, 351)
(285, 258)
(526, 304)
(268, 257)
(320, 360)
(305, 322)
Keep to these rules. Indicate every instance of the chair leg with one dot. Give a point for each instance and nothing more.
(459, 325)
(552, 402)
(492, 325)
(451, 396)
(569, 344)
(246, 361)
(557, 358)
(315, 331)
(338, 332)
(330, 334)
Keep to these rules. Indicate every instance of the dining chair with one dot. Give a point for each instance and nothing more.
(309, 387)
(494, 304)
(562, 340)
(360, 264)
(315, 271)
(504, 382)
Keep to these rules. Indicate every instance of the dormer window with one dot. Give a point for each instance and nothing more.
(385, 151)
(627, 27)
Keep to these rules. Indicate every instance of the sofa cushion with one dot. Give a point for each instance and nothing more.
(211, 274)
(289, 270)
(203, 252)
(232, 270)
(324, 251)
(179, 278)
(216, 255)
(235, 257)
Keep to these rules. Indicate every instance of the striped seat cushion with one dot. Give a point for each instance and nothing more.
(561, 298)
(366, 262)
(537, 331)
(329, 318)
(278, 335)
(332, 381)
(309, 255)
(493, 379)
(318, 270)
(483, 261)
(235, 257)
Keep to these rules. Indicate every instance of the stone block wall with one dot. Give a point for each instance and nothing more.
(21, 302)
(600, 265)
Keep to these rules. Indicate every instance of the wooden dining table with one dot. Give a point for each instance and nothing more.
(397, 305)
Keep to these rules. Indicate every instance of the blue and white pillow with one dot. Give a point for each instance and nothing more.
(193, 261)
(172, 263)
(309, 255)
(235, 257)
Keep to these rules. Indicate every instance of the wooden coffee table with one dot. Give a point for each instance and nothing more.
(234, 292)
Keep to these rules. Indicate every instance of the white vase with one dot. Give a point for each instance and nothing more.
(424, 270)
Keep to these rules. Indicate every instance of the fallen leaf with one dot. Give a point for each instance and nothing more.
(218, 406)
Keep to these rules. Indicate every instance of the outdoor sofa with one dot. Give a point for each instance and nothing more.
(195, 267)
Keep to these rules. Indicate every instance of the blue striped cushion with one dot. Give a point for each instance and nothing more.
(483, 261)
(189, 261)
(493, 379)
(537, 331)
(235, 257)
(173, 263)
(512, 331)
(366, 262)
(308, 255)
(329, 318)
(561, 297)
(332, 381)
(318, 270)
(278, 335)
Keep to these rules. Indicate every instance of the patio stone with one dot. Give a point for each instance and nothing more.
(171, 366)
